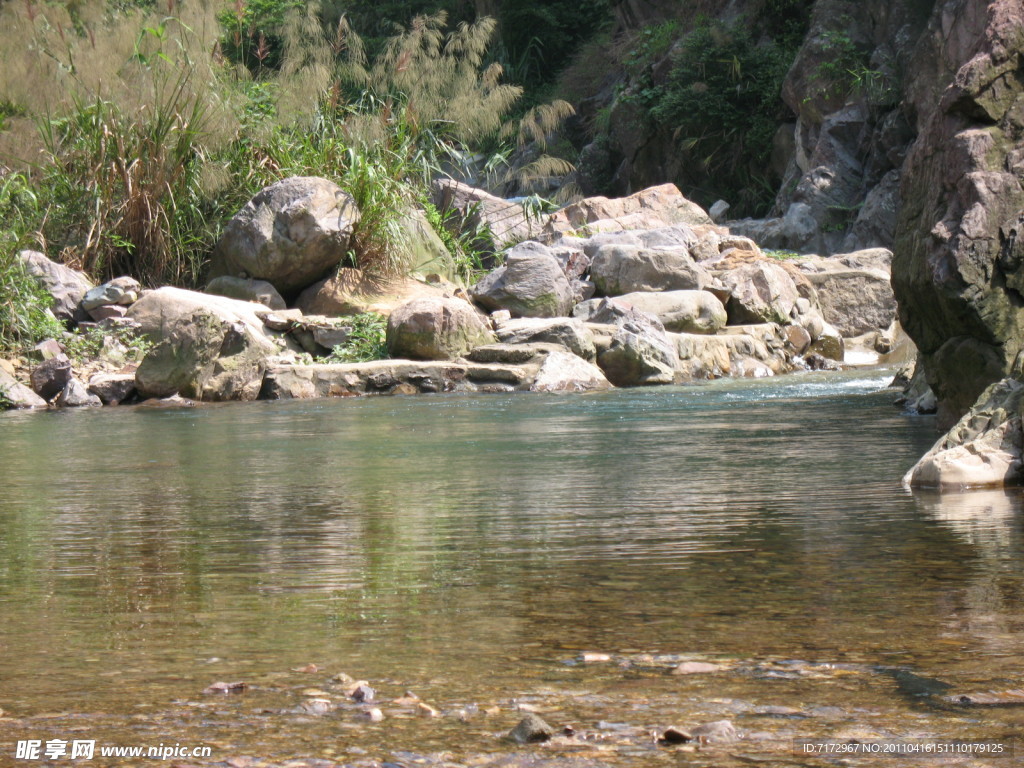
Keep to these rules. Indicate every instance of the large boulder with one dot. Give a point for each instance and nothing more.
(351, 292)
(983, 449)
(680, 311)
(566, 332)
(204, 356)
(619, 269)
(761, 292)
(641, 353)
(246, 289)
(436, 329)
(14, 394)
(530, 284)
(66, 286)
(290, 234)
(565, 372)
(650, 208)
(855, 299)
(51, 376)
(730, 354)
(159, 312)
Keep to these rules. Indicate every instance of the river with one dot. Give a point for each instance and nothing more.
(471, 549)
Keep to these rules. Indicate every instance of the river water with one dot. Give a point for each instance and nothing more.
(471, 549)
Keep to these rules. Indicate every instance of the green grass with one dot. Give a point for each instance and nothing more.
(25, 317)
(366, 341)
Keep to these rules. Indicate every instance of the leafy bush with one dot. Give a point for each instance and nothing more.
(722, 102)
(25, 317)
(366, 341)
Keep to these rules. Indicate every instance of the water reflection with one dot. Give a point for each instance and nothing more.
(471, 539)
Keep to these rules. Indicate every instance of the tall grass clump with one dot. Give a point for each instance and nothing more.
(25, 316)
(141, 131)
(127, 110)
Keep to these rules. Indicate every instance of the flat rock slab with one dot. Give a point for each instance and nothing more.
(381, 377)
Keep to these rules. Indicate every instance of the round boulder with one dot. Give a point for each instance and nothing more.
(436, 329)
(619, 269)
(761, 292)
(291, 234)
(530, 284)
(681, 311)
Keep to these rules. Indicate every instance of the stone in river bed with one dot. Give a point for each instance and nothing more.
(317, 706)
(374, 715)
(530, 730)
(673, 735)
(717, 732)
(225, 688)
(594, 657)
(363, 693)
(695, 668)
(1012, 698)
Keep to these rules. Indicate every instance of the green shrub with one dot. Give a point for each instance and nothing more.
(366, 341)
(25, 317)
(723, 104)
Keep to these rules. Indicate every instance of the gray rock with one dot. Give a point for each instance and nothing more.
(290, 234)
(205, 357)
(569, 333)
(66, 286)
(679, 236)
(107, 312)
(75, 395)
(436, 329)
(619, 269)
(640, 354)
(761, 292)
(572, 259)
(565, 372)
(14, 394)
(246, 289)
(717, 732)
(121, 291)
(718, 211)
(647, 209)
(983, 449)
(680, 311)
(112, 388)
(330, 337)
(159, 312)
(594, 243)
(531, 730)
(46, 349)
(530, 284)
(853, 299)
(285, 381)
(51, 376)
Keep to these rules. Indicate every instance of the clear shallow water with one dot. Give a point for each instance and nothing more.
(469, 548)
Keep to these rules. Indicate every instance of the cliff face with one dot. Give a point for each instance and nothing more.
(958, 270)
(905, 130)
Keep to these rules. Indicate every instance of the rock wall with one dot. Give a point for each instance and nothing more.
(958, 270)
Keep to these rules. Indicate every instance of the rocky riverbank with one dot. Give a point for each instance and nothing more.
(637, 291)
